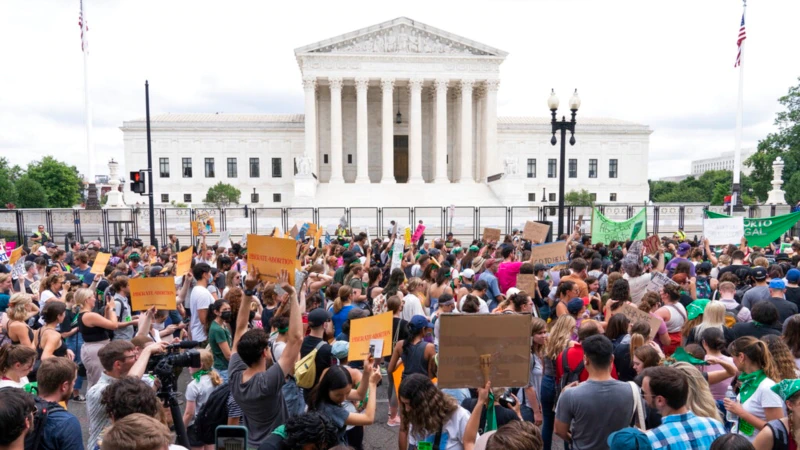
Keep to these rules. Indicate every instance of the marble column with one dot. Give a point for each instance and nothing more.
(310, 139)
(387, 132)
(362, 165)
(415, 131)
(440, 149)
(466, 132)
(492, 160)
(336, 131)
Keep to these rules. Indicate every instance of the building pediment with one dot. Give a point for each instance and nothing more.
(401, 36)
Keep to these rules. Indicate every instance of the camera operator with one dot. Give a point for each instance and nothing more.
(119, 359)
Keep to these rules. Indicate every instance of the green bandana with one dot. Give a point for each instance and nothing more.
(681, 355)
(491, 418)
(283, 330)
(199, 374)
(696, 308)
(786, 388)
(750, 383)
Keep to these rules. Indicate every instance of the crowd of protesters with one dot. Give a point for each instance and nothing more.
(714, 363)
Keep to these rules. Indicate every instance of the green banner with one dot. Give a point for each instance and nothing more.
(606, 230)
(761, 232)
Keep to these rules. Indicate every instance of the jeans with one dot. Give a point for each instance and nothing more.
(223, 374)
(548, 399)
(527, 413)
(74, 343)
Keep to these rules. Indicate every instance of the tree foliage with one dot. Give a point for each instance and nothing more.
(8, 191)
(222, 195)
(711, 187)
(30, 193)
(578, 198)
(61, 183)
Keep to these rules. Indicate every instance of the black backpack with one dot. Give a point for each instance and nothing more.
(43, 409)
(213, 413)
(569, 375)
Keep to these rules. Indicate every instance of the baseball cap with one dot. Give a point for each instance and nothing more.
(449, 233)
(469, 273)
(134, 255)
(456, 250)
(419, 322)
(155, 271)
(539, 267)
(511, 291)
(474, 248)
(50, 245)
(629, 439)
(318, 317)
(705, 266)
(340, 349)
(777, 283)
(684, 248)
(758, 273)
(793, 276)
(575, 305)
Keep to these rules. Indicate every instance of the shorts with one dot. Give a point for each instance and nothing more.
(194, 440)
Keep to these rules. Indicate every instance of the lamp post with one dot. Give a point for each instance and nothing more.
(563, 126)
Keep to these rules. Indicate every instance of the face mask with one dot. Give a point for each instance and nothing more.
(226, 316)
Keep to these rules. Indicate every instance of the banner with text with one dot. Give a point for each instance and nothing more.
(271, 255)
(606, 230)
(724, 231)
(146, 292)
(761, 232)
(100, 263)
(369, 328)
(551, 254)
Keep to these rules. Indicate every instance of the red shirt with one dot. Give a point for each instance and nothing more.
(574, 357)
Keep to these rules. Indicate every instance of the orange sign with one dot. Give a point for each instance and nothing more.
(184, 262)
(366, 329)
(146, 292)
(271, 255)
(203, 226)
(100, 263)
(15, 255)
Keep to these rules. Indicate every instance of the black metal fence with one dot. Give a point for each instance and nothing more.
(112, 226)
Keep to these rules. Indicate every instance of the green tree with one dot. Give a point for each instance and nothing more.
(30, 193)
(784, 143)
(710, 187)
(62, 183)
(8, 192)
(222, 195)
(578, 198)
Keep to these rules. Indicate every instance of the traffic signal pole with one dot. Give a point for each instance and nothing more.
(150, 167)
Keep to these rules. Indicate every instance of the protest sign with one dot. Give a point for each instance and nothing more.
(244, 240)
(366, 329)
(549, 254)
(312, 229)
(317, 236)
(15, 255)
(761, 232)
(8, 246)
(18, 269)
(491, 235)
(225, 239)
(527, 283)
(786, 247)
(535, 232)
(3, 257)
(418, 233)
(397, 253)
(635, 314)
(271, 255)
(651, 245)
(146, 292)
(294, 231)
(203, 226)
(407, 236)
(606, 230)
(467, 338)
(301, 234)
(184, 262)
(658, 281)
(100, 263)
(724, 230)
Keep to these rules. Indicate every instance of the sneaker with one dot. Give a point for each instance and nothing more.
(78, 398)
(394, 422)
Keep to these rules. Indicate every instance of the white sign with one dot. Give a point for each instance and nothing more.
(397, 253)
(225, 239)
(724, 231)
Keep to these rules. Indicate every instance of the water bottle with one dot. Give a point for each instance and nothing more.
(729, 416)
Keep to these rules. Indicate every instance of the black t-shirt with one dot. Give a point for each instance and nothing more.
(686, 300)
(751, 329)
(504, 415)
(793, 295)
(323, 359)
(732, 268)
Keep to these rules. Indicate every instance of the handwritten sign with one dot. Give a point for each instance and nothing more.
(225, 239)
(724, 231)
(100, 263)
(491, 234)
(635, 314)
(535, 231)
(271, 255)
(418, 232)
(184, 262)
(397, 254)
(527, 283)
(551, 254)
(658, 281)
(651, 244)
(146, 292)
(15, 255)
(364, 330)
(466, 337)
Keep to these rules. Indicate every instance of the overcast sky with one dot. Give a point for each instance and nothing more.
(667, 64)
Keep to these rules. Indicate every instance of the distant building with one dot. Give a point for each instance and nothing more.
(721, 162)
(675, 178)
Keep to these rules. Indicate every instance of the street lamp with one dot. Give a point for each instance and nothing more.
(563, 126)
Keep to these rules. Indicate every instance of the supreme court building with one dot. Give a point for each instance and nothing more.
(396, 114)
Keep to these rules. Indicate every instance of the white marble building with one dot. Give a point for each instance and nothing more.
(722, 162)
(390, 110)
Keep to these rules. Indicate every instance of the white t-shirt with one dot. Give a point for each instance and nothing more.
(11, 383)
(763, 398)
(199, 392)
(412, 306)
(452, 432)
(484, 309)
(200, 299)
(638, 286)
(45, 296)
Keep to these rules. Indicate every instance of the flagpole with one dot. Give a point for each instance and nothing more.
(92, 201)
(736, 198)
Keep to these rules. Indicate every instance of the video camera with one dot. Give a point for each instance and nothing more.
(131, 242)
(162, 365)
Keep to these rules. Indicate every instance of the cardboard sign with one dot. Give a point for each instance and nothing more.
(18, 270)
(635, 314)
(535, 232)
(100, 263)
(202, 227)
(527, 283)
(466, 338)
(551, 254)
(362, 331)
(312, 229)
(724, 231)
(184, 262)
(651, 245)
(15, 255)
(317, 236)
(658, 281)
(294, 231)
(225, 239)
(271, 255)
(146, 292)
(418, 232)
(491, 234)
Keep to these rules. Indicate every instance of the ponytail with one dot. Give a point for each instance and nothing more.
(767, 363)
(640, 332)
(343, 295)
(12, 354)
(757, 352)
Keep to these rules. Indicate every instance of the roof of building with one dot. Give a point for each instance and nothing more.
(529, 120)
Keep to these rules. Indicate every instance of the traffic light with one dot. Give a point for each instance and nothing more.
(137, 182)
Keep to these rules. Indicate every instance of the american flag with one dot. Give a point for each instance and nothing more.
(739, 42)
(84, 30)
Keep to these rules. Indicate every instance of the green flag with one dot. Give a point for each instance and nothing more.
(761, 232)
(606, 230)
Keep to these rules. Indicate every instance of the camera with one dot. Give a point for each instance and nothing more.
(507, 401)
(162, 365)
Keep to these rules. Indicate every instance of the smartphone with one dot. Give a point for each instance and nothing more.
(230, 437)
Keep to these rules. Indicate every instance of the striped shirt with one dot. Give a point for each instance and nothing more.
(685, 432)
(98, 419)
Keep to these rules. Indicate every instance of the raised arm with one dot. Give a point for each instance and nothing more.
(244, 309)
(294, 337)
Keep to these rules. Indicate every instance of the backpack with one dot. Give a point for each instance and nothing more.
(213, 413)
(703, 288)
(43, 409)
(292, 394)
(569, 375)
(305, 370)
(732, 316)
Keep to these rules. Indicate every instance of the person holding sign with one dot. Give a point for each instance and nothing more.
(417, 353)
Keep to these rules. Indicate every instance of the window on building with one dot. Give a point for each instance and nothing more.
(233, 169)
(612, 168)
(277, 168)
(187, 198)
(592, 168)
(276, 198)
(531, 196)
(164, 198)
(325, 159)
(551, 168)
(163, 167)
(573, 168)
(349, 158)
(593, 197)
(551, 197)
(209, 167)
(255, 168)
(612, 197)
(187, 167)
(531, 168)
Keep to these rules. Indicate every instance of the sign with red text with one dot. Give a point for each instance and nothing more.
(147, 292)
(362, 331)
(550, 254)
(271, 255)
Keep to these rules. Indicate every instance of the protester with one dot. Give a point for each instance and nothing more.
(416, 353)
(16, 417)
(126, 434)
(219, 335)
(428, 415)
(780, 433)
(16, 362)
(557, 343)
(204, 380)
